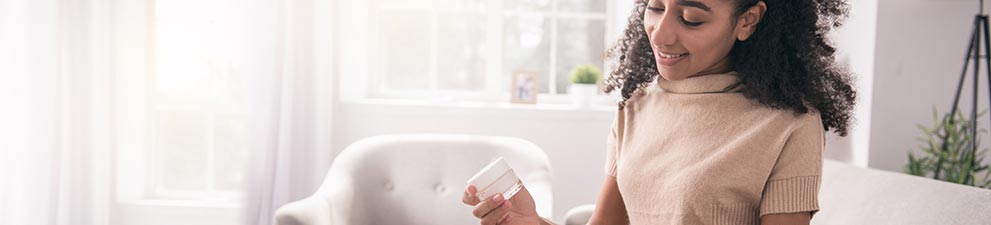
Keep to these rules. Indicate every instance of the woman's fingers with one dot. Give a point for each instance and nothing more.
(485, 207)
(469, 196)
(498, 215)
(491, 211)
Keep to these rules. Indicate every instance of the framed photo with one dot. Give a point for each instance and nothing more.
(525, 86)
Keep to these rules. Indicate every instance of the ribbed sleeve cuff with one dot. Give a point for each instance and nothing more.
(735, 214)
(790, 195)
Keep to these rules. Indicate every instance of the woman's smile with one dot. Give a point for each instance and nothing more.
(669, 59)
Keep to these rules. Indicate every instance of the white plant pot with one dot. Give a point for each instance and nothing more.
(582, 94)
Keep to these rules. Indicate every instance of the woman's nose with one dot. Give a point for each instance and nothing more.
(664, 31)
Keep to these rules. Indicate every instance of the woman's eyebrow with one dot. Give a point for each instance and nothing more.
(689, 3)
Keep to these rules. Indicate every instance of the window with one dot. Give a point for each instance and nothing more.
(179, 119)
(196, 131)
(176, 111)
(468, 48)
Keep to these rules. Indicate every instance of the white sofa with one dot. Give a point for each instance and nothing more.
(852, 195)
(414, 179)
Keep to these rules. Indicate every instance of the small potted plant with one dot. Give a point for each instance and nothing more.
(584, 80)
(947, 153)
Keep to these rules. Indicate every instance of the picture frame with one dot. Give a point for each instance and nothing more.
(525, 86)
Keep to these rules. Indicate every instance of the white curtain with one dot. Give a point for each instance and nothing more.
(53, 168)
(291, 103)
(56, 87)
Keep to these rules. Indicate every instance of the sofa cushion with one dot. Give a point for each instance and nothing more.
(854, 195)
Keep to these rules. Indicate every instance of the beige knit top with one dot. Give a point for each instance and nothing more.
(692, 152)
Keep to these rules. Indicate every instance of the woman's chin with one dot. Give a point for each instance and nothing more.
(669, 74)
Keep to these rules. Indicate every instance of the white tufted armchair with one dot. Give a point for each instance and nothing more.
(414, 179)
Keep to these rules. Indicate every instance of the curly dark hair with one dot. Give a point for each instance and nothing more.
(787, 63)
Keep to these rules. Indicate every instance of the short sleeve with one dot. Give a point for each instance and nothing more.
(793, 184)
(614, 142)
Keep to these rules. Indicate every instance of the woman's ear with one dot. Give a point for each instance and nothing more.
(747, 23)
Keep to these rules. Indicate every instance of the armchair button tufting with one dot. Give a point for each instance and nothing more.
(440, 188)
(389, 186)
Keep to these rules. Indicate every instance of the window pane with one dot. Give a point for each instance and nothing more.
(230, 158)
(527, 5)
(580, 41)
(193, 48)
(461, 52)
(182, 140)
(436, 4)
(404, 50)
(460, 4)
(593, 6)
(526, 45)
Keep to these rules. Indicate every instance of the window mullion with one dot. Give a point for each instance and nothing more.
(211, 152)
(494, 38)
(433, 68)
(552, 72)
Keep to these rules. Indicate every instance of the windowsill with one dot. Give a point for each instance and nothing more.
(220, 204)
(595, 107)
(476, 109)
(164, 212)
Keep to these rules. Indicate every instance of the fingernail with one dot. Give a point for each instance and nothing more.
(497, 197)
(509, 218)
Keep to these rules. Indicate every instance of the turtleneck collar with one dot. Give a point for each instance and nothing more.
(711, 83)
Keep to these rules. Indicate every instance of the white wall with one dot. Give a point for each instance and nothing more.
(920, 50)
(855, 49)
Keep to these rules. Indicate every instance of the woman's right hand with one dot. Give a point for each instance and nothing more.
(519, 209)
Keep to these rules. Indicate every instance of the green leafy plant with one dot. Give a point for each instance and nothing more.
(585, 74)
(954, 159)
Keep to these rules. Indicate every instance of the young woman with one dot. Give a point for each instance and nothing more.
(723, 118)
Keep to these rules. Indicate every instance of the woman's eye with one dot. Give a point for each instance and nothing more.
(655, 9)
(689, 23)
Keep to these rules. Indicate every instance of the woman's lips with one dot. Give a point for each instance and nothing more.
(669, 59)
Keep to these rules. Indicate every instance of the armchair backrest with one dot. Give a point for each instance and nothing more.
(419, 178)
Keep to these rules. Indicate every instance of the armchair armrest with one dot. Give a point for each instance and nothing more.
(539, 186)
(313, 210)
(579, 215)
(319, 209)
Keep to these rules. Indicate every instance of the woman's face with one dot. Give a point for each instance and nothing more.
(694, 37)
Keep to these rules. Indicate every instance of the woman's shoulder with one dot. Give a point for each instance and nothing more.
(808, 121)
(787, 119)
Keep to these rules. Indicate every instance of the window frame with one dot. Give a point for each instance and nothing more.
(495, 81)
(133, 99)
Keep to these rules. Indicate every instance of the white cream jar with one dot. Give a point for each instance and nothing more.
(497, 177)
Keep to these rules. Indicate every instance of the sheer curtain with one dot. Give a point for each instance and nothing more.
(53, 165)
(291, 103)
(57, 83)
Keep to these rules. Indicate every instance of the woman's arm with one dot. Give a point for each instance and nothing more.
(801, 218)
(610, 208)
